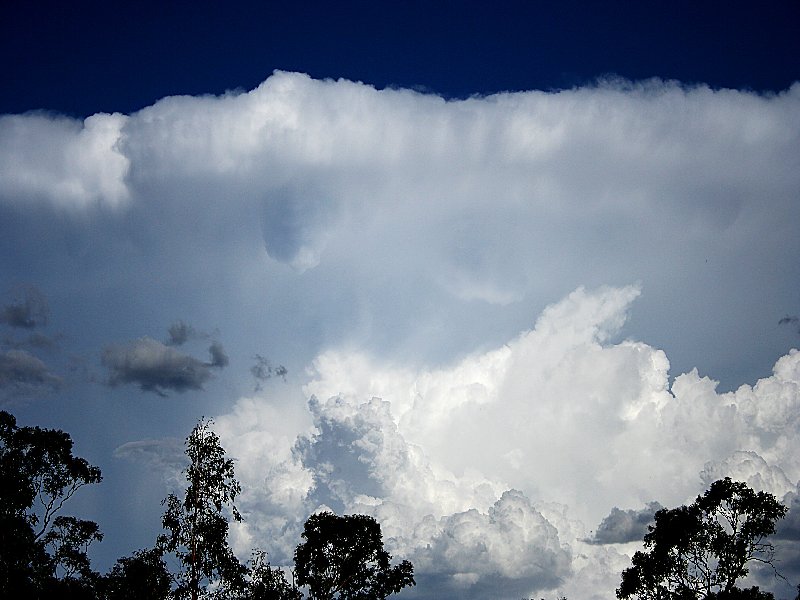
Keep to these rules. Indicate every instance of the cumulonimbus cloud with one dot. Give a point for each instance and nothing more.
(404, 241)
(563, 413)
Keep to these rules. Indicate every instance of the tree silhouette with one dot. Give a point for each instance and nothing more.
(143, 576)
(38, 475)
(700, 551)
(197, 525)
(268, 583)
(344, 557)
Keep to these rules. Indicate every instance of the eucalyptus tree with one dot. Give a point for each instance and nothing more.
(703, 550)
(343, 557)
(42, 550)
(197, 525)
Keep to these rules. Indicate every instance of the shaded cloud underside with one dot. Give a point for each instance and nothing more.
(623, 526)
(156, 367)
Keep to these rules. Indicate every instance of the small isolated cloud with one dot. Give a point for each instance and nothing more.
(218, 356)
(165, 456)
(156, 367)
(28, 309)
(180, 333)
(263, 370)
(21, 373)
(623, 526)
(791, 320)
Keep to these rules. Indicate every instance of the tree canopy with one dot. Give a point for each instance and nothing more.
(702, 550)
(44, 553)
(344, 557)
(38, 475)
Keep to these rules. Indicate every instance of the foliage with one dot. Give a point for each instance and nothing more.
(143, 576)
(44, 554)
(197, 525)
(702, 550)
(344, 557)
(69, 539)
(268, 583)
(38, 474)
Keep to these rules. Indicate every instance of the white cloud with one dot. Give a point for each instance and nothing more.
(68, 163)
(398, 244)
(461, 464)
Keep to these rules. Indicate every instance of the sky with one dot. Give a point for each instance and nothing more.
(506, 277)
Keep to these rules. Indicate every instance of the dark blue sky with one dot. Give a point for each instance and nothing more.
(84, 57)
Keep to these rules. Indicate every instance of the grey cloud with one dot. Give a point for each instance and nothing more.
(789, 527)
(218, 356)
(180, 333)
(37, 340)
(28, 309)
(622, 526)
(792, 320)
(21, 372)
(787, 552)
(263, 370)
(156, 367)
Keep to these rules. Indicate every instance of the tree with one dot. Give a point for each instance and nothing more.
(38, 475)
(344, 557)
(143, 576)
(268, 583)
(700, 551)
(197, 525)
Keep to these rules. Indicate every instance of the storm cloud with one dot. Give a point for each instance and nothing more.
(504, 316)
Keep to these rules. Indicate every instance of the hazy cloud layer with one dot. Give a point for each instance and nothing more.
(394, 250)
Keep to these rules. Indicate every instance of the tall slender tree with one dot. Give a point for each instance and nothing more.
(197, 526)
